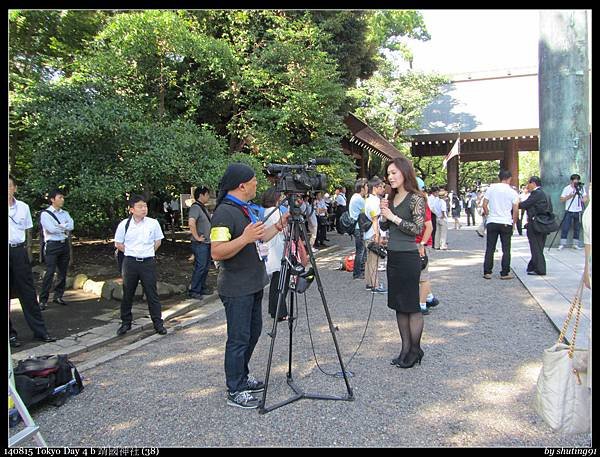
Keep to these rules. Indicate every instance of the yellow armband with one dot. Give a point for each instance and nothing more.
(220, 234)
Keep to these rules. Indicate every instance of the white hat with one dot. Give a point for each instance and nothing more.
(326, 195)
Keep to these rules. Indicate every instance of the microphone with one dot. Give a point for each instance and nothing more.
(320, 161)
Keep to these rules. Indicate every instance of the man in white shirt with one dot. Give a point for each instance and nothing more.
(501, 206)
(356, 207)
(56, 224)
(340, 206)
(470, 206)
(432, 199)
(372, 211)
(20, 276)
(139, 241)
(441, 212)
(574, 197)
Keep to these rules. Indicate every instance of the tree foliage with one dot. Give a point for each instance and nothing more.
(107, 103)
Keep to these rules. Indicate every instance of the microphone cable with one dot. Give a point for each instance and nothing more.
(338, 374)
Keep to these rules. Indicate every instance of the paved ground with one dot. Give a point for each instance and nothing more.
(475, 387)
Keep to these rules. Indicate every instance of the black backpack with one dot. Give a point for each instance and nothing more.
(120, 255)
(346, 223)
(39, 378)
(364, 223)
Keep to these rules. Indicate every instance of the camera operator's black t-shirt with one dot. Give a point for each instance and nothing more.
(244, 273)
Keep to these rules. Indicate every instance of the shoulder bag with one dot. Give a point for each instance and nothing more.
(545, 222)
(562, 394)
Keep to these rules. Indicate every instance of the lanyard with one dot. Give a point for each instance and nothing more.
(253, 209)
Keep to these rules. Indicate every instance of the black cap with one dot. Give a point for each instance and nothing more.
(236, 174)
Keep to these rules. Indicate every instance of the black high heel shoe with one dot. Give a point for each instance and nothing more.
(397, 360)
(411, 359)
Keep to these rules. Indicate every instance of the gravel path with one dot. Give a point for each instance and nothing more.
(475, 387)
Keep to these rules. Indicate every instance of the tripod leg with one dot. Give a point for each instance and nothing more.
(284, 279)
(291, 327)
(323, 299)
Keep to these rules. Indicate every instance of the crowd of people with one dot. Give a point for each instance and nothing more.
(247, 241)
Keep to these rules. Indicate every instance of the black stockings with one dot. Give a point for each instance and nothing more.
(410, 326)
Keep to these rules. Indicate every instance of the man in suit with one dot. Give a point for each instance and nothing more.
(536, 203)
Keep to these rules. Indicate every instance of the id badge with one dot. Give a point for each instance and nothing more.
(263, 251)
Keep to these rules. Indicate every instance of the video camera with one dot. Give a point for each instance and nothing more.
(578, 187)
(299, 178)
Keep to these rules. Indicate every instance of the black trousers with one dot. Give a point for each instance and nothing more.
(57, 257)
(274, 295)
(244, 325)
(339, 210)
(434, 223)
(21, 286)
(470, 215)
(133, 273)
(537, 241)
(494, 230)
(321, 230)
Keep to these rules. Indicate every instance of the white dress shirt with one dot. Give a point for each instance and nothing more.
(19, 220)
(52, 230)
(340, 199)
(140, 237)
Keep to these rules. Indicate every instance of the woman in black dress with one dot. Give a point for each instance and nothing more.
(404, 217)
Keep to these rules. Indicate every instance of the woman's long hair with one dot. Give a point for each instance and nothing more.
(270, 197)
(408, 172)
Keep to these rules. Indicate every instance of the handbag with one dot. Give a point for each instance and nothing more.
(562, 393)
(545, 223)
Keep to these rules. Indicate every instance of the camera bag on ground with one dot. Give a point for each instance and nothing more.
(37, 379)
(346, 223)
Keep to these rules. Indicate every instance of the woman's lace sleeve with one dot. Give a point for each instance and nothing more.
(417, 208)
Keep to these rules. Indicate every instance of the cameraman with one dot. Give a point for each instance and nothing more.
(237, 237)
(574, 197)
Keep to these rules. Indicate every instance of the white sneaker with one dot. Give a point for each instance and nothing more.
(577, 248)
(560, 247)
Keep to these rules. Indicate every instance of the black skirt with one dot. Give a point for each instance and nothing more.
(403, 274)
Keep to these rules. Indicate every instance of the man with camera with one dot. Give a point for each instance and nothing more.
(574, 197)
(237, 241)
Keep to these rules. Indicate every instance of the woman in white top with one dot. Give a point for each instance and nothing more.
(270, 199)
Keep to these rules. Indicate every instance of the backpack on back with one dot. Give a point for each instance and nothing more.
(347, 224)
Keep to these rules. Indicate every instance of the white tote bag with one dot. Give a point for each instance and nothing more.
(562, 397)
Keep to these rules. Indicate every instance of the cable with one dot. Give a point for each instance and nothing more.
(335, 375)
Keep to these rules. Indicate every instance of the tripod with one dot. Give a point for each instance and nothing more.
(291, 268)
(577, 195)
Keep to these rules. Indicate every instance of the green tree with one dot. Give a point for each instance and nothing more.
(392, 103)
(529, 165)
(99, 148)
(43, 43)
